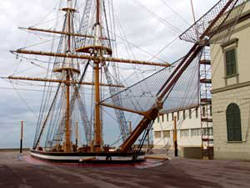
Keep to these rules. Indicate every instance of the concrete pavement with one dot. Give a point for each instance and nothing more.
(21, 171)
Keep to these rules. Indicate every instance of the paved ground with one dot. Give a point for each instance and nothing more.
(21, 172)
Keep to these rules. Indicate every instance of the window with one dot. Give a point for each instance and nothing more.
(178, 115)
(167, 117)
(190, 113)
(211, 111)
(195, 132)
(184, 115)
(196, 112)
(162, 118)
(208, 131)
(184, 133)
(157, 134)
(230, 56)
(203, 111)
(172, 116)
(166, 134)
(233, 123)
(158, 119)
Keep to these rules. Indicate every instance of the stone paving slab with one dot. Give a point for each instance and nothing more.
(20, 171)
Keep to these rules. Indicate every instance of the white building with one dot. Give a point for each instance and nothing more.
(231, 89)
(189, 131)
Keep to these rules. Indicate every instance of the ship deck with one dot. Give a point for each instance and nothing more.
(22, 171)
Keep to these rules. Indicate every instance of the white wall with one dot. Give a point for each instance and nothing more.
(187, 124)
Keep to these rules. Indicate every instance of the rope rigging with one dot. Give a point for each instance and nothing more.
(154, 92)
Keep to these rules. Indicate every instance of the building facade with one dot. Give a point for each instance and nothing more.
(231, 88)
(189, 131)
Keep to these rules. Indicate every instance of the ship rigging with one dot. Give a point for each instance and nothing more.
(89, 47)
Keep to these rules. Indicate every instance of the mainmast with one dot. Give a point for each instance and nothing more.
(97, 79)
(98, 50)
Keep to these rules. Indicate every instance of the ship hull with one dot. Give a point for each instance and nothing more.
(89, 157)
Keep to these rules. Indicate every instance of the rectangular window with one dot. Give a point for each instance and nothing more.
(158, 119)
(162, 117)
(197, 112)
(208, 131)
(190, 113)
(184, 115)
(195, 132)
(230, 56)
(211, 111)
(172, 116)
(157, 134)
(184, 133)
(167, 117)
(178, 115)
(166, 134)
(203, 111)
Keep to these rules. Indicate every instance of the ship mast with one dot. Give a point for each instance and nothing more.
(67, 71)
(67, 119)
(97, 77)
(97, 51)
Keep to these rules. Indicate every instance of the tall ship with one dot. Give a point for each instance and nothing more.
(89, 91)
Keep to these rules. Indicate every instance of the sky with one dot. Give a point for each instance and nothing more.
(152, 25)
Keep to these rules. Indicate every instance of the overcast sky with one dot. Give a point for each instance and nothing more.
(148, 24)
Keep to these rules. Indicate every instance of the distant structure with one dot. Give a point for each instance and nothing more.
(230, 59)
(189, 129)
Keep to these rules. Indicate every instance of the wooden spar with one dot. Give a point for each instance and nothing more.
(60, 32)
(69, 29)
(176, 69)
(193, 13)
(77, 134)
(143, 124)
(21, 138)
(176, 76)
(87, 57)
(130, 127)
(216, 19)
(97, 110)
(124, 109)
(192, 7)
(62, 81)
(97, 125)
(67, 134)
(67, 71)
(195, 50)
(97, 12)
(175, 138)
(153, 113)
(193, 53)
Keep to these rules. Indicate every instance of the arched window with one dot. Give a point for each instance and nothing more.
(233, 123)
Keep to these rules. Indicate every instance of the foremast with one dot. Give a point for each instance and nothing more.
(68, 69)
